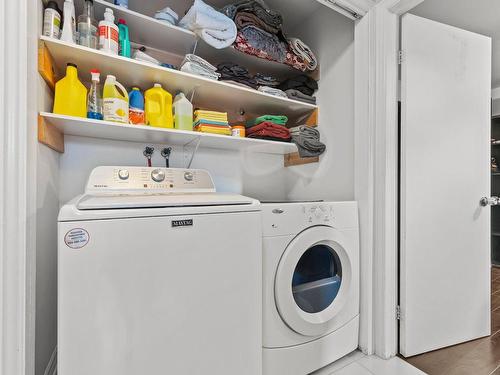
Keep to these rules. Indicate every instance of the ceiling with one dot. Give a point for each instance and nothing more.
(480, 16)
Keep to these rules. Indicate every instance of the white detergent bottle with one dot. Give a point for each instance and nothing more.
(115, 101)
(69, 25)
(108, 33)
(183, 113)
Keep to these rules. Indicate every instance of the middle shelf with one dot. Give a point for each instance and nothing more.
(209, 94)
(84, 127)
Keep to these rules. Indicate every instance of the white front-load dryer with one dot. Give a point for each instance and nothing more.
(310, 285)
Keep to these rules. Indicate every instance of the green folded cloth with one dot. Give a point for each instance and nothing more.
(278, 120)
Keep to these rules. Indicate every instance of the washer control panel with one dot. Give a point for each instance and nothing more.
(318, 213)
(145, 180)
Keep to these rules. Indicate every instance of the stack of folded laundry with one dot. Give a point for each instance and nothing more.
(196, 65)
(260, 33)
(270, 127)
(301, 88)
(215, 28)
(211, 122)
(236, 74)
(167, 15)
(308, 141)
(273, 91)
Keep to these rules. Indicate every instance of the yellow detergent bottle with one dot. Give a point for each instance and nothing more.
(158, 107)
(115, 103)
(70, 94)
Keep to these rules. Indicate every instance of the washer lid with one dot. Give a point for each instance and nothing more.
(121, 201)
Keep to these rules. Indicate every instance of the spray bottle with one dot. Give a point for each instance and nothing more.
(94, 102)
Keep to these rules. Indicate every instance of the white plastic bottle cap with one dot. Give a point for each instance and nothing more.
(108, 15)
(157, 85)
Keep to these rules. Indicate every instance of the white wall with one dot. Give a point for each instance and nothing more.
(60, 178)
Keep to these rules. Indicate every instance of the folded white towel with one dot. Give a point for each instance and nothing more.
(215, 28)
(194, 68)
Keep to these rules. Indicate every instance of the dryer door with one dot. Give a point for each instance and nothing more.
(313, 280)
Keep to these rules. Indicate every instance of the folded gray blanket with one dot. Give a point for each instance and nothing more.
(297, 95)
(307, 140)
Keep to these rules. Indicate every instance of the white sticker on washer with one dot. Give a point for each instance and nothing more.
(77, 238)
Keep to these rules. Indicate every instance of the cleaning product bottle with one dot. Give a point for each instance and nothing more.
(123, 36)
(183, 112)
(94, 103)
(69, 25)
(115, 103)
(52, 20)
(70, 94)
(158, 107)
(108, 33)
(87, 26)
(136, 111)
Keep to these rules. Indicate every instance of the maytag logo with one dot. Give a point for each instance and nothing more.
(182, 223)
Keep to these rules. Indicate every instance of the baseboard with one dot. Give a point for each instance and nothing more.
(51, 368)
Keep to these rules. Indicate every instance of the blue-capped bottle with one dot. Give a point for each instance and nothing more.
(136, 107)
(94, 102)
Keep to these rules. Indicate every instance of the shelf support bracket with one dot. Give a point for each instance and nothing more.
(50, 136)
(190, 150)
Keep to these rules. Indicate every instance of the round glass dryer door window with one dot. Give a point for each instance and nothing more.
(313, 280)
(317, 279)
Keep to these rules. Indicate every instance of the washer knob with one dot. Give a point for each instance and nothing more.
(123, 174)
(188, 176)
(158, 175)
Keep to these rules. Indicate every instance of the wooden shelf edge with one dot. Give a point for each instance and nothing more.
(50, 136)
(294, 159)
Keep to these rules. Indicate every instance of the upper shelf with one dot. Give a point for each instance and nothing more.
(209, 94)
(147, 30)
(84, 127)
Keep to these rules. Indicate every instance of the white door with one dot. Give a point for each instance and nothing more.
(445, 170)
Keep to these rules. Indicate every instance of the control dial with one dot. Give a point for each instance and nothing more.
(188, 176)
(123, 174)
(158, 175)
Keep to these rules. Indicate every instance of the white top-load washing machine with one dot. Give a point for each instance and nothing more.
(159, 274)
(310, 285)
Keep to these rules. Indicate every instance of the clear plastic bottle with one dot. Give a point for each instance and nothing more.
(94, 102)
(183, 112)
(87, 26)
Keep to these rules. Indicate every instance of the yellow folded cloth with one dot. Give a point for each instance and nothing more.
(213, 130)
(210, 115)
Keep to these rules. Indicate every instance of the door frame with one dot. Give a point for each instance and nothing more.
(376, 48)
(17, 191)
(377, 44)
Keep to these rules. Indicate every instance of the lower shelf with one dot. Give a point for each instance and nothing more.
(84, 127)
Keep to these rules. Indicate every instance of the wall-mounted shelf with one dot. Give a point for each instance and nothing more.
(209, 94)
(51, 126)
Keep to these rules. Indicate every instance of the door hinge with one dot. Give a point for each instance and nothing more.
(398, 312)
(400, 57)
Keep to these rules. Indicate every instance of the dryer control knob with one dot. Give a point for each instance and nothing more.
(123, 174)
(158, 175)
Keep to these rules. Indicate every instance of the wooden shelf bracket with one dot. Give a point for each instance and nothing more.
(50, 136)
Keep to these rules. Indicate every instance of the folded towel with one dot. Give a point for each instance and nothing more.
(264, 41)
(274, 119)
(237, 73)
(291, 59)
(215, 28)
(307, 140)
(272, 91)
(216, 124)
(303, 83)
(243, 19)
(257, 7)
(196, 65)
(297, 95)
(266, 80)
(268, 129)
(302, 50)
(168, 15)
